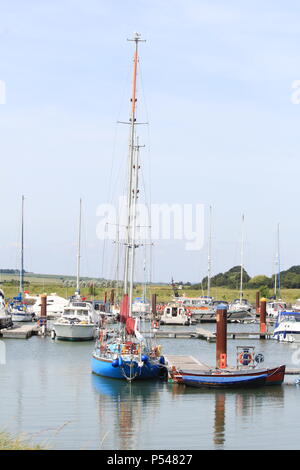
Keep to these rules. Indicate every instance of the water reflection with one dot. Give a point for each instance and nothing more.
(246, 404)
(240, 404)
(132, 403)
(219, 424)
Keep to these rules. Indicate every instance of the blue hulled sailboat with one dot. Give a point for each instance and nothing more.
(127, 354)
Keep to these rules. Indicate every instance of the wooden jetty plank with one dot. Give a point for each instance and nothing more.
(185, 362)
(206, 334)
(292, 371)
(20, 331)
(210, 336)
(176, 334)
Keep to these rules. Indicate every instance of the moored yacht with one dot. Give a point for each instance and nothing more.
(19, 311)
(174, 314)
(141, 306)
(17, 308)
(128, 355)
(287, 327)
(240, 305)
(5, 318)
(55, 305)
(275, 307)
(78, 322)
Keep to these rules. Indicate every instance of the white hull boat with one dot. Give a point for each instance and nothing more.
(141, 307)
(18, 316)
(5, 318)
(274, 308)
(55, 305)
(74, 331)
(175, 315)
(287, 327)
(79, 322)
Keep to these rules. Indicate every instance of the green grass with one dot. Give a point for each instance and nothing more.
(40, 284)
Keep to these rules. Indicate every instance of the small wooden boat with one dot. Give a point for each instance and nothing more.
(217, 378)
(224, 380)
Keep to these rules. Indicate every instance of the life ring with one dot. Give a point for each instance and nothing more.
(155, 324)
(245, 358)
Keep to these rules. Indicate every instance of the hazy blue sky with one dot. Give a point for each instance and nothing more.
(216, 81)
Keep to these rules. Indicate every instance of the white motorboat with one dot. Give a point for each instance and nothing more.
(5, 318)
(273, 308)
(174, 314)
(296, 305)
(55, 305)
(287, 327)
(200, 308)
(141, 306)
(78, 322)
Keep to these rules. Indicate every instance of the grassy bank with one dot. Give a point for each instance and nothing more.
(8, 442)
(164, 292)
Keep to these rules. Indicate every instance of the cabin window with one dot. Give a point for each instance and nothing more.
(174, 312)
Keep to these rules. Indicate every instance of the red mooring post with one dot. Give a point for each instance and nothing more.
(221, 336)
(154, 296)
(43, 316)
(257, 303)
(263, 316)
(112, 297)
(105, 297)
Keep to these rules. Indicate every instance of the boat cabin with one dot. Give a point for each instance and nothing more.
(175, 315)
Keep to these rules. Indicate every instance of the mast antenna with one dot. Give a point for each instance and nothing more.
(242, 258)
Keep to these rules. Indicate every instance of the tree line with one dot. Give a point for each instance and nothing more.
(289, 279)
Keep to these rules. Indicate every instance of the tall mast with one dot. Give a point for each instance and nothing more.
(133, 245)
(242, 258)
(209, 253)
(136, 39)
(78, 249)
(22, 249)
(117, 258)
(278, 260)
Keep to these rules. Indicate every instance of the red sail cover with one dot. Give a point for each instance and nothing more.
(124, 316)
(124, 310)
(130, 326)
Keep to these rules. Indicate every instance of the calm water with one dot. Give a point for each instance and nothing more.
(48, 393)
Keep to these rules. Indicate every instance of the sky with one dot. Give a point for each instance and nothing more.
(215, 85)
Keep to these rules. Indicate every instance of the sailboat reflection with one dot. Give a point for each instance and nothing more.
(132, 401)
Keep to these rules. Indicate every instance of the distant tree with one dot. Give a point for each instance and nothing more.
(264, 291)
(291, 280)
(259, 281)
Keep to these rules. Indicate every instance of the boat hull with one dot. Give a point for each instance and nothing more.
(273, 376)
(5, 321)
(21, 317)
(286, 335)
(74, 332)
(225, 381)
(130, 369)
(210, 315)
